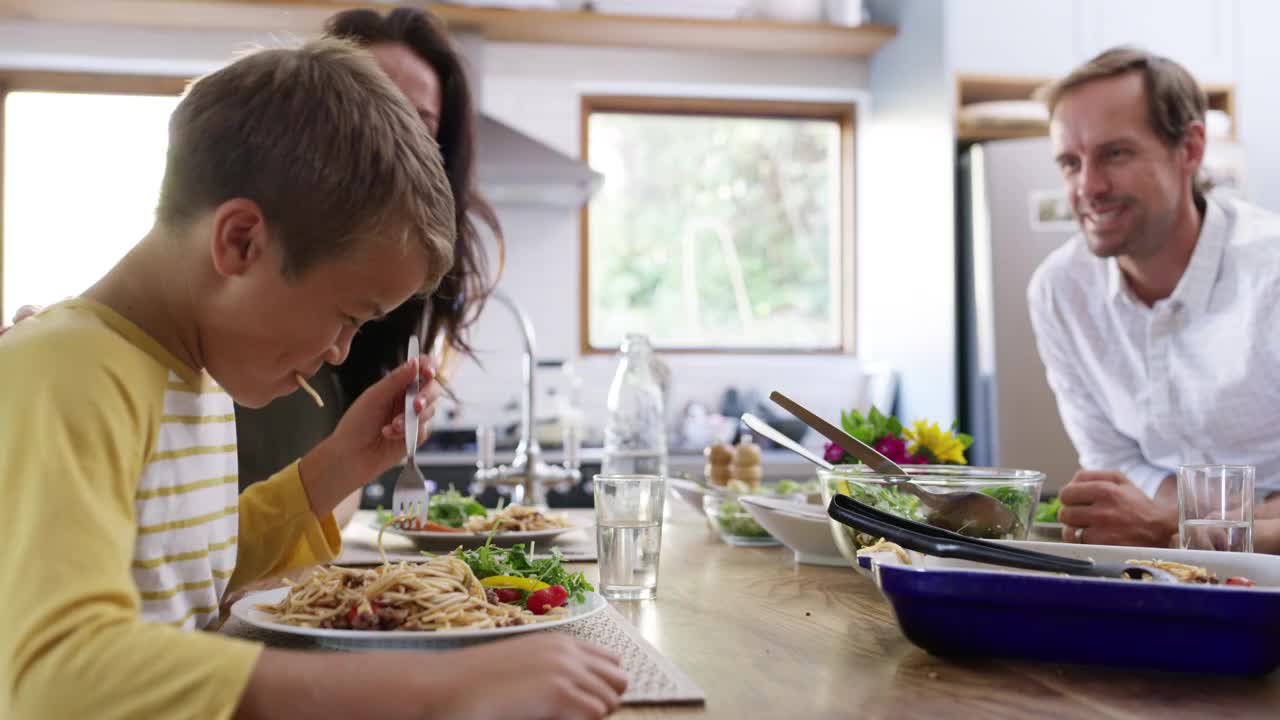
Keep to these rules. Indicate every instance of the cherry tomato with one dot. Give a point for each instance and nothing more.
(540, 602)
(1242, 581)
(508, 595)
(354, 612)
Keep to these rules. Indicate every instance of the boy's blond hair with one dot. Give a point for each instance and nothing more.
(324, 143)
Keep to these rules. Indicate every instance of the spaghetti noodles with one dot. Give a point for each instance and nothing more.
(302, 383)
(516, 518)
(440, 594)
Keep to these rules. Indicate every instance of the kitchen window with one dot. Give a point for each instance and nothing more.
(722, 225)
(82, 160)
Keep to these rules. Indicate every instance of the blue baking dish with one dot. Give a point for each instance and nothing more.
(956, 608)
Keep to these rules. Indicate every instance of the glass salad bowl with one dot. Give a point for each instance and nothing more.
(1018, 490)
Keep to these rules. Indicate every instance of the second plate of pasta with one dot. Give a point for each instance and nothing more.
(511, 525)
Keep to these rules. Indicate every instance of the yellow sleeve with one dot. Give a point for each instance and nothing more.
(76, 422)
(278, 531)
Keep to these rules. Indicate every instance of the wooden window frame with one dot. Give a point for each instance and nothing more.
(844, 113)
(72, 82)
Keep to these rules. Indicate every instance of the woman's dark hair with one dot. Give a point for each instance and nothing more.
(379, 346)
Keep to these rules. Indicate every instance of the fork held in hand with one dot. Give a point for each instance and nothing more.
(411, 495)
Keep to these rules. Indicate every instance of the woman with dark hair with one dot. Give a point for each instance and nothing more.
(412, 47)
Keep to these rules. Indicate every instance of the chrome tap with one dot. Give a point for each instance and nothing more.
(527, 477)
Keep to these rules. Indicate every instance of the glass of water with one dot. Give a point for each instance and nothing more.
(1215, 507)
(629, 534)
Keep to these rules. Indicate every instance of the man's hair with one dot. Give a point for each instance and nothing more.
(324, 143)
(1174, 99)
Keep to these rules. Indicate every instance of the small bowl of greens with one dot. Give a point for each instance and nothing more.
(1018, 490)
(734, 523)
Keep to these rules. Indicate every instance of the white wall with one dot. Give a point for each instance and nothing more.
(1258, 99)
(906, 262)
(538, 90)
(40, 46)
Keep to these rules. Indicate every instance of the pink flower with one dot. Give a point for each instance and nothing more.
(893, 448)
(832, 454)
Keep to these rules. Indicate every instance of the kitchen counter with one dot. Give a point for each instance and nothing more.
(766, 638)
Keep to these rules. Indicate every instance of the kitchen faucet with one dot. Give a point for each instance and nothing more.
(527, 476)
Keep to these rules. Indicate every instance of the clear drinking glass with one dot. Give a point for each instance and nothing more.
(1215, 507)
(629, 534)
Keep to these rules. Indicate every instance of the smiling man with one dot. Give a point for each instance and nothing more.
(1156, 322)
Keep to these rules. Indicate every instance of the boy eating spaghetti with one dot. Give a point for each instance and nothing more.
(300, 199)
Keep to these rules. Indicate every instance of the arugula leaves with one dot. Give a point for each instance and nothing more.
(487, 561)
(908, 506)
(867, 429)
(1018, 501)
(887, 499)
(452, 508)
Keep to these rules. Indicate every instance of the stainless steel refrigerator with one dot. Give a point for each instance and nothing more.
(1012, 211)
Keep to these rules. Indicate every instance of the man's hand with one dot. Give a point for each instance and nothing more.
(1101, 507)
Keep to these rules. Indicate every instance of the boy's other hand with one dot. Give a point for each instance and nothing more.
(23, 313)
(369, 439)
(547, 675)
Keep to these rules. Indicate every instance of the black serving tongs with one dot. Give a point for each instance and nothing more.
(938, 542)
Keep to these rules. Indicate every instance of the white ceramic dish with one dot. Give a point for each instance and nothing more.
(802, 527)
(246, 610)
(446, 541)
(690, 492)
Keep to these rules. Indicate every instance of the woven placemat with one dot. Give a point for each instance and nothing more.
(360, 542)
(651, 677)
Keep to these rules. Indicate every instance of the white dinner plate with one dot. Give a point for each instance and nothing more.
(246, 609)
(446, 541)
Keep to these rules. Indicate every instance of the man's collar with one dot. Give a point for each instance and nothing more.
(1196, 284)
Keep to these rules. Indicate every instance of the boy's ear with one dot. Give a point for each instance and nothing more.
(239, 237)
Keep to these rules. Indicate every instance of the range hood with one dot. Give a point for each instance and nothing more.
(513, 169)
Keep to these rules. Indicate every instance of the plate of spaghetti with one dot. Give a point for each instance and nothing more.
(437, 603)
(510, 525)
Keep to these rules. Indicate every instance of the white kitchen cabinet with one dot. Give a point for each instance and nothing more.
(1013, 37)
(1047, 38)
(1200, 34)
(1259, 101)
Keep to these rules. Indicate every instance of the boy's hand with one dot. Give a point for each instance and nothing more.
(543, 676)
(370, 437)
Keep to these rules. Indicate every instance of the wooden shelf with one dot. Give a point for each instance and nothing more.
(502, 25)
(985, 88)
(965, 133)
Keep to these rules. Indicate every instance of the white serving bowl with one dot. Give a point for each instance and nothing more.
(691, 492)
(801, 526)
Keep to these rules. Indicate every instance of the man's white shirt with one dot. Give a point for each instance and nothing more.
(1193, 379)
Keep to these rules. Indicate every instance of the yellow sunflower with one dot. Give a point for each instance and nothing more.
(945, 447)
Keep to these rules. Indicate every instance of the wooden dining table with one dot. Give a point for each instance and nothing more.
(767, 638)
